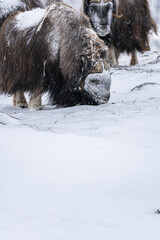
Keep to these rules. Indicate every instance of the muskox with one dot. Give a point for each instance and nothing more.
(9, 7)
(124, 25)
(58, 53)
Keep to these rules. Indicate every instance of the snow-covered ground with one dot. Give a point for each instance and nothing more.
(85, 172)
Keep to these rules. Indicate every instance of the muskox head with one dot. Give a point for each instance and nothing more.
(98, 82)
(91, 84)
(101, 13)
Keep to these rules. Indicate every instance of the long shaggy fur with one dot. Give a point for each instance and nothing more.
(7, 8)
(131, 31)
(23, 5)
(29, 60)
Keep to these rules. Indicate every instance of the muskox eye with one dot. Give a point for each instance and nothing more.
(94, 81)
(91, 9)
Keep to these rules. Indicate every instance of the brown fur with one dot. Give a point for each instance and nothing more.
(130, 32)
(19, 98)
(27, 63)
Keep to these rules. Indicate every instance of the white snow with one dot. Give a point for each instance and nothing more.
(8, 120)
(7, 6)
(53, 45)
(30, 18)
(76, 4)
(85, 172)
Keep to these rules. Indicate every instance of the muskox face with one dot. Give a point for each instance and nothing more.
(100, 14)
(95, 80)
(98, 82)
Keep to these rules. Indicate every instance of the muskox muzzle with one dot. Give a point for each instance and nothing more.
(98, 83)
(103, 31)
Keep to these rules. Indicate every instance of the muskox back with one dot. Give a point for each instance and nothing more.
(8, 7)
(56, 52)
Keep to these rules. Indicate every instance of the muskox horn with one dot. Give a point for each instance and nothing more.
(117, 16)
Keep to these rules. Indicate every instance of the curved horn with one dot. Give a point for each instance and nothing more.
(117, 16)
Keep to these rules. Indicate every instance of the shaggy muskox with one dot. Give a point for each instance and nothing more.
(6, 8)
(123, 24)
(58, 52)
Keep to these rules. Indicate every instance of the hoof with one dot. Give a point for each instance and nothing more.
(132, 63)
(21, 105)
(35, 107)
(19, 100)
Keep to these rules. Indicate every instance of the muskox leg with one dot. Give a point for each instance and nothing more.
(35, 101)
(147, 47)
(134, 59)
(117, 54)
(113, 56)
(19, 99)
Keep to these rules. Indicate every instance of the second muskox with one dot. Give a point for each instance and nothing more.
(54, 50)
(123, 24)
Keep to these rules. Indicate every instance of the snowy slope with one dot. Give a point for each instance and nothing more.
(85, 172)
